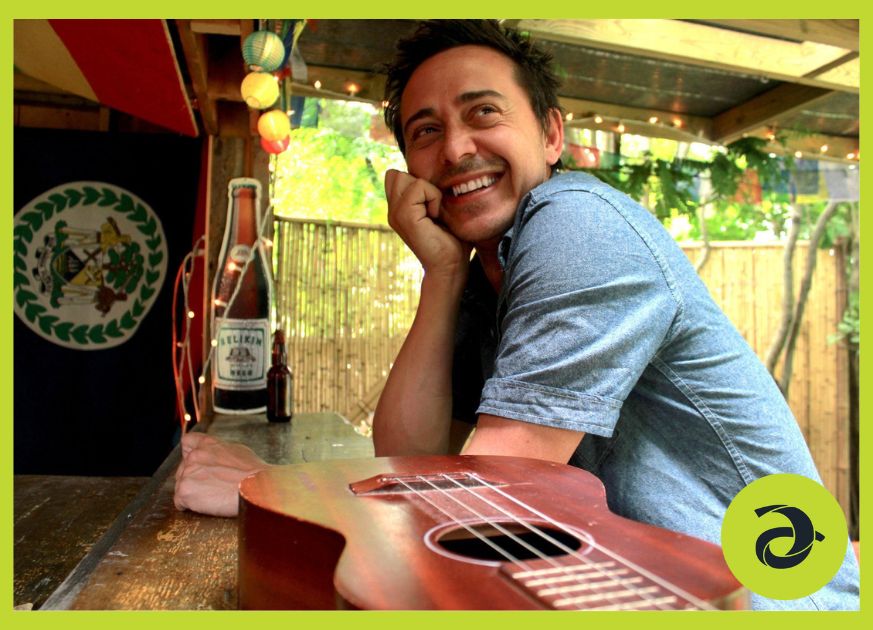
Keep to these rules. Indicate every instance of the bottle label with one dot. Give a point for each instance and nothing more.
(240, 357)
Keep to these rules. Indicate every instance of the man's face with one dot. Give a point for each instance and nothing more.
(470, 130)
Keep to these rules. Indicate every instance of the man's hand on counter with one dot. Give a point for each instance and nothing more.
(207, 480)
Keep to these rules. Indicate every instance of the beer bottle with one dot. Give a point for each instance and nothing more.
(241, 322)
(280, 383)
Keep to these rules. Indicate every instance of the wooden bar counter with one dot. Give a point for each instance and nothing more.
(155, 557)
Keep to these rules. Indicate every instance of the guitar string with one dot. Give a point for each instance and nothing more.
(503, 552)
(692, 599)
(551, 561)
(656, 602)
(485, 519)
(473, 531)
(626, 583)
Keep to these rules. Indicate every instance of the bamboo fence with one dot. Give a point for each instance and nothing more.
(346, 295)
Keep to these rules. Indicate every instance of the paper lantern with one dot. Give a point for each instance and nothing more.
(259, 90)
(275, 147)
(274, 125)
(263, 50)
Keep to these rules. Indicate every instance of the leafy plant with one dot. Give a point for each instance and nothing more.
(335, 172)
(849, 328)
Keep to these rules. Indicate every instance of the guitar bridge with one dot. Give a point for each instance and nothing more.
(402, 484)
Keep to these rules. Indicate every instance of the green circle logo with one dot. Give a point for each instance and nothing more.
(90, 261)
(784, 536)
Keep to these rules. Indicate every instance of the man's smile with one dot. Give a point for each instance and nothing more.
(484, 181)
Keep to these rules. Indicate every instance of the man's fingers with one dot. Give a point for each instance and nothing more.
(396, 184)
(390, 178)
(193, 440)
(433, 197)
(423, 196)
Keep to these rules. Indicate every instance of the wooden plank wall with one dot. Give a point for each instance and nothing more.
(346, 295)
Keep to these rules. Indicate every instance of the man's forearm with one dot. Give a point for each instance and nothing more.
(414, 411)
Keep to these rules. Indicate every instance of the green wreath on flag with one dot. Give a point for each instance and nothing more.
(147, 283)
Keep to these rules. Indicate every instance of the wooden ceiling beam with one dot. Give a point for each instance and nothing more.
(846, 71)
(764, 109)
(840, 33)
(371, 86)
(672, 125)
(195, 48)
(701, 45)
(217, 27)
(810, 146)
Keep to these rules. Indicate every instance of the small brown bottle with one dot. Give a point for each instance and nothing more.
(280, 383)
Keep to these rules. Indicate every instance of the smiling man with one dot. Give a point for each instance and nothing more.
(579, 332)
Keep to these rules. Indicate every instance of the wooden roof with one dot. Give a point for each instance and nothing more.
(711, 81)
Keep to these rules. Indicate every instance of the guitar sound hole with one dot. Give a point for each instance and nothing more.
(464, 543)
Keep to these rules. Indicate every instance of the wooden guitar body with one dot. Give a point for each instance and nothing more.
(460, 532)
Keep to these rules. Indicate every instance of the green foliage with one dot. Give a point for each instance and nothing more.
(838, 228)
(849, 328)
(670, 188)
(734, 221)
(345, 117)
(335, 172)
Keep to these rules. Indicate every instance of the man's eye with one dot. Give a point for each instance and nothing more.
(421, 132)
(484, 110)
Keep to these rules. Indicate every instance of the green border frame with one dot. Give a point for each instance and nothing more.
(391, 620)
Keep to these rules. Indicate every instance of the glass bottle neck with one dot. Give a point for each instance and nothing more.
(244, 216)
(279, 352)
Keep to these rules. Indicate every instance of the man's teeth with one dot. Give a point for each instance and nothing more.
(476, 184)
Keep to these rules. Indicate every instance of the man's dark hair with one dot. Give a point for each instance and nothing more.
(533, 66)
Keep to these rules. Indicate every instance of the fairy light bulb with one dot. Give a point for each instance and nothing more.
(317, 85)
(201, 379)
(569, 116)
(190, 314)
(214, 343)
(187, 417)
(598, 119)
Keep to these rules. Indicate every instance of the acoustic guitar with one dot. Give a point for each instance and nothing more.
(461, 532)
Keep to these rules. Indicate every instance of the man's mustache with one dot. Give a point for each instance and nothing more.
(470, 165)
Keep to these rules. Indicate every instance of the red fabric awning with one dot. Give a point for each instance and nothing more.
(128, 65)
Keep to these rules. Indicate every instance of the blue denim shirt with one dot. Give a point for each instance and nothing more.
(603, 326)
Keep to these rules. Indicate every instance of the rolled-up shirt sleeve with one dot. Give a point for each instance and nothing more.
(585, 306)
